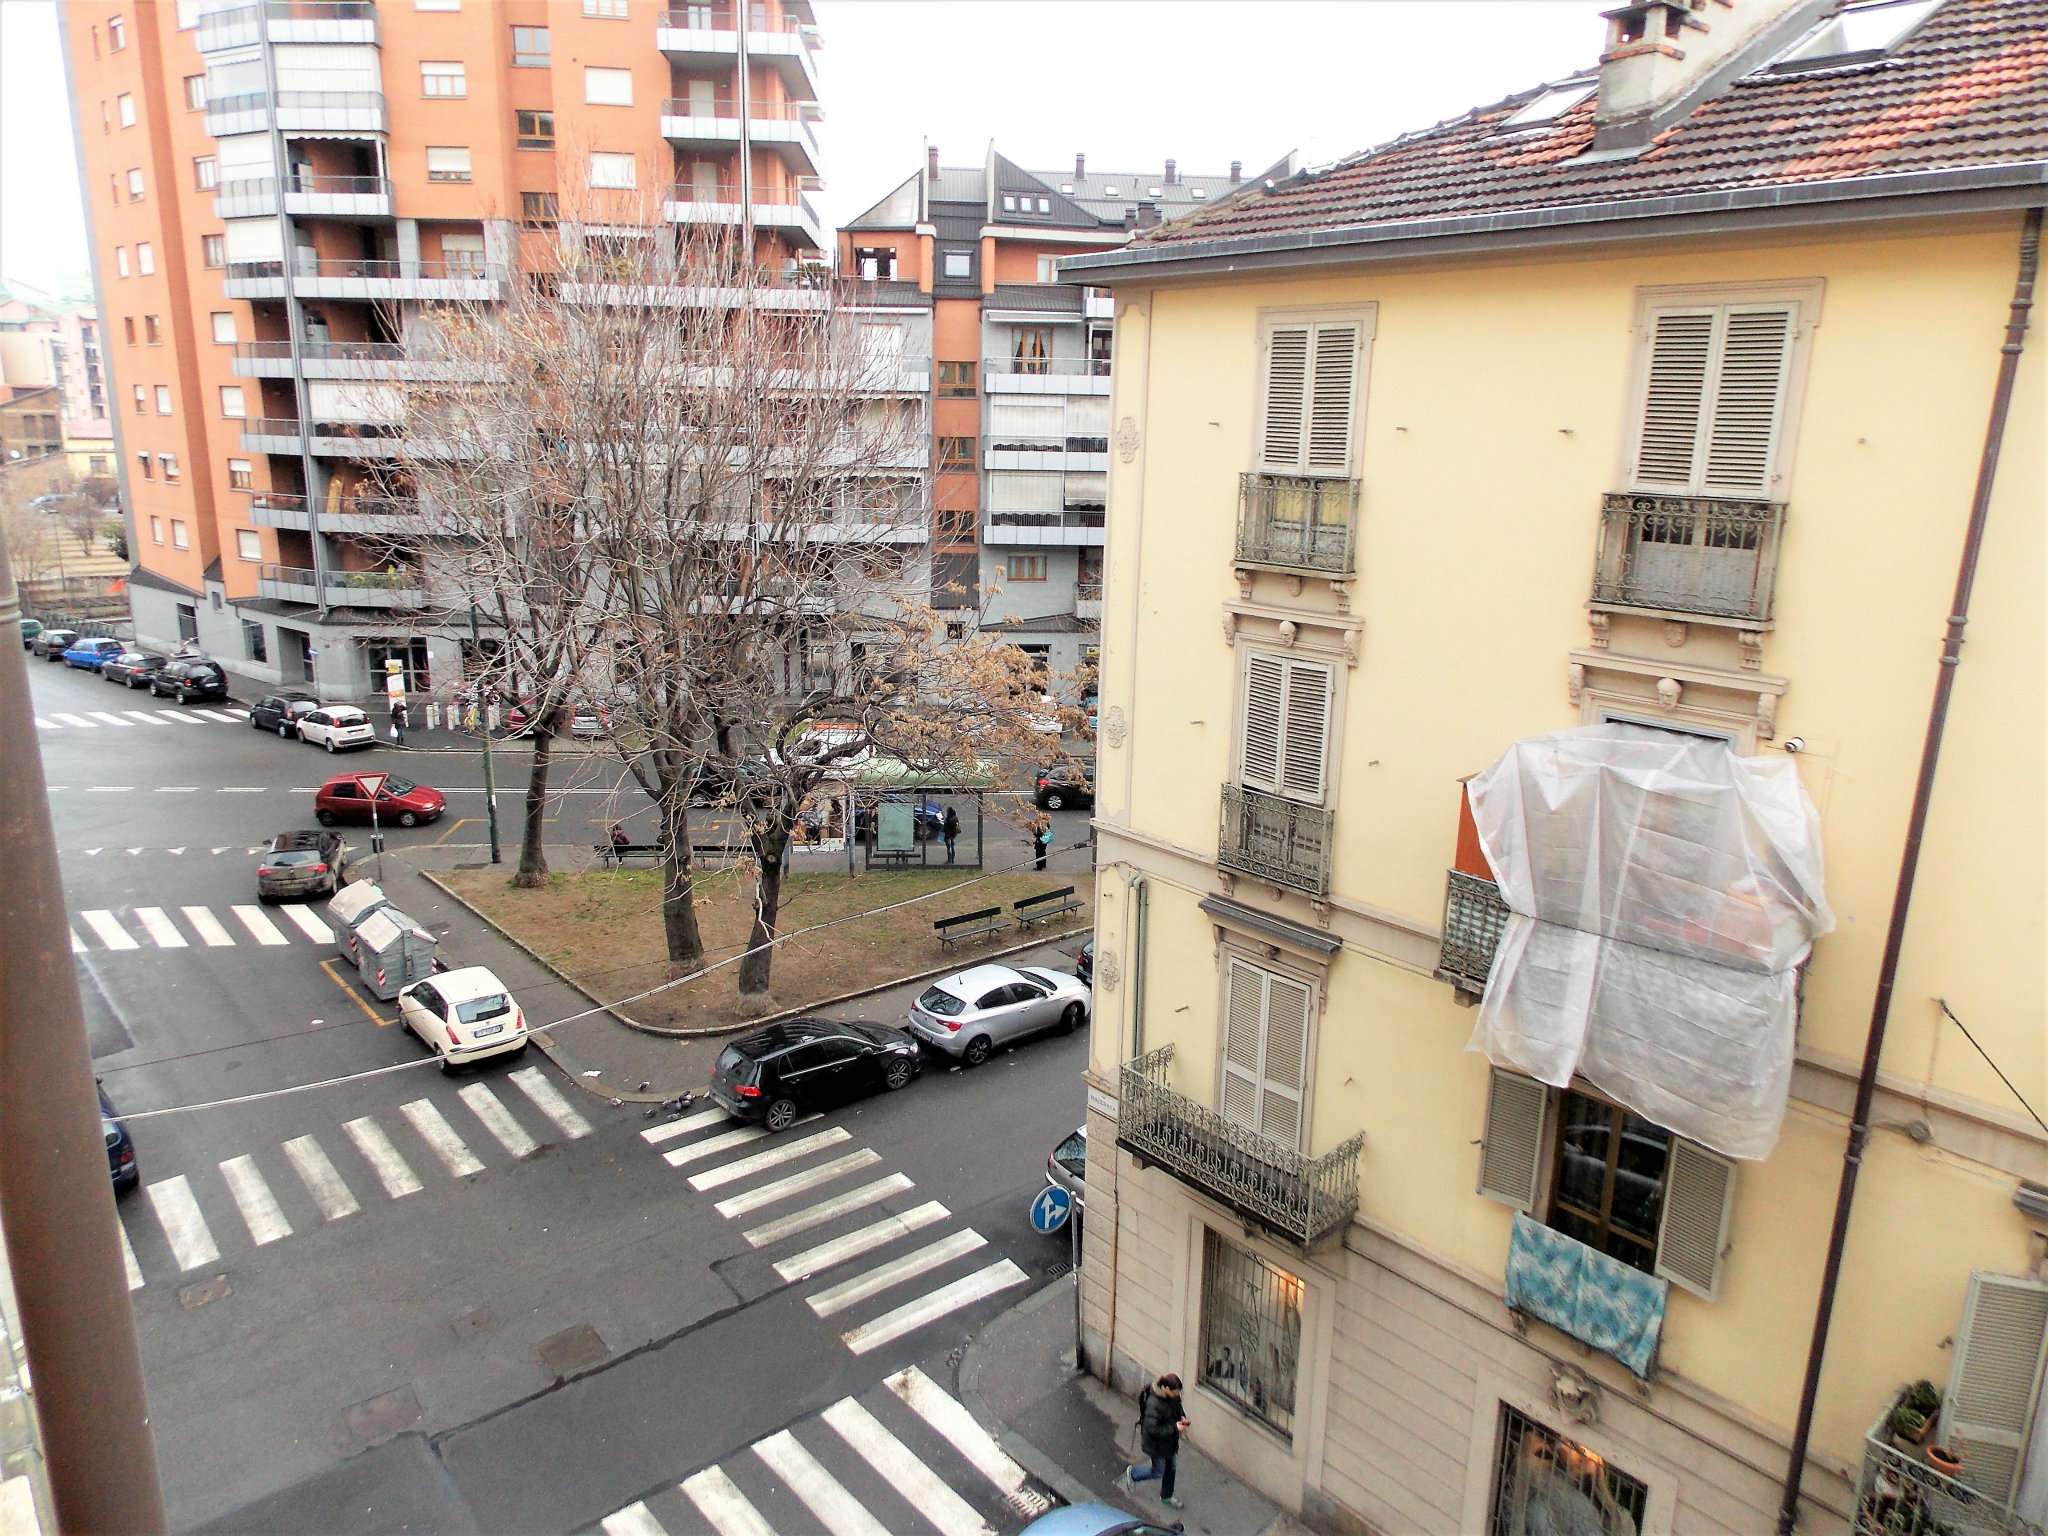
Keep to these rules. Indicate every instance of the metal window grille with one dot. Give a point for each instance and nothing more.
(1544, 1482)
(1251, 1331)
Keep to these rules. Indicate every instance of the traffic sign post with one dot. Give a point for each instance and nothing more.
(1050, 1210)
(372, 785)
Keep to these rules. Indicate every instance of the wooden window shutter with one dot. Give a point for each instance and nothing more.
(1511, 1147)
(1305, 747)
(1755, 353)
(1284, 1070)
(1244, 1013)
(1674, 399)
(1281, 425)
(1699, 1193)
(1264, 692)
(1995, 1380)
(1333, 400)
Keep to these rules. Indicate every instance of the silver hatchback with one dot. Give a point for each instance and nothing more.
(970, 1014)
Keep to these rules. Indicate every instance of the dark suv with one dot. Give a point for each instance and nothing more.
(806, 1064)
(189, 681)
(280, 712)
(1065, 784)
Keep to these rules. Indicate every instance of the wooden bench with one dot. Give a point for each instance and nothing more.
(970, 925)
(1033, 910)
(711, 853)
(614, 855)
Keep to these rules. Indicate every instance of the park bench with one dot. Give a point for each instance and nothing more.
(970, 925)
(1043, 908)
(615, 855)
(714, 853)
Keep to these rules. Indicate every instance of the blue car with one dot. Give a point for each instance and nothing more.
(1094, 1520)
(92, 654)
(127, 1173)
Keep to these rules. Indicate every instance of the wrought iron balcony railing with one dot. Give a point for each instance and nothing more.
(1474, 917)
(1897, 1490)
(1272, 838)
(1296, 523)
(1696, 555)
(1301, 1199)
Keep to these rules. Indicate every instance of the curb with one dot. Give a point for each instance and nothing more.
(1029, 1456)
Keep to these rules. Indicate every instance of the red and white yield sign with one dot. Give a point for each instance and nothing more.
(371, 784)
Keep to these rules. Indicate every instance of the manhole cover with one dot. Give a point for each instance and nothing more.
(572, 1350)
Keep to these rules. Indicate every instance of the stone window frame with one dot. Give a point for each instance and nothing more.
(1740, 705)
(1267, 953)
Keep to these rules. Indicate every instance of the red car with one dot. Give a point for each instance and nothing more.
(400, 802)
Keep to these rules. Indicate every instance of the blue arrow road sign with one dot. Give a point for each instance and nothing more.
(1049, 1212)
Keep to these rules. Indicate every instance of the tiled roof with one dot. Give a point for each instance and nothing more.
(893, 293)
(1037, 298)
(1969, 88)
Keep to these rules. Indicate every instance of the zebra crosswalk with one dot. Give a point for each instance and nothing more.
(129, 719)
(305, 1187)
(906, 1455)
(132, 928)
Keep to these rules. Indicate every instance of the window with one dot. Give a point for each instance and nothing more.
(447, 164)
(538, 210)
(463, 254)
(1550, 104)
(141, 401)
(224, 327)
(1993, 1385)
(163, 399)
(1031, 348)
(205, 172)
(536, 129)
(530, 49)
(168, 462)
(1251, 1331)
(152, 333)
(253, 641)
(195, 93)
(240, 476)
(1286, 726)
(135, 185)
(1310, 397)
(247, 545)
(956, 381)
(1856, 34)
(180, 538)
(145, 258)
(117, 34)
(607, 10)
(128, 329)
(148, 469)
(156, 524)
(444, 79)
(1265, 1052)
(1711, 399)
(1045, 205)
(1048, 269)
(213, 250)
(1010, 203)
(956, 453)
(613, 171)
(607, 87)
(121, 260)
(1544, 1482)
(959, 264)
(231, 402)
(124, 108)
(1027, 567)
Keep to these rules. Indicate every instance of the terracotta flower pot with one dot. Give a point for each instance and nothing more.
(1946, 1460)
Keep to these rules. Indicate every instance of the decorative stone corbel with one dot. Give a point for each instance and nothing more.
(1244, 582)
(1767, 716)
(1341, 590)
(1289, 633)
(1229, 627)
(1323, 911)
(1675, 631)
(1349, 639)
(1598, 623)
(1669, 692)
(1574, 681)
(1750, 643)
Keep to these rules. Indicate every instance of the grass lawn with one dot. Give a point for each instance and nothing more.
(603, 930)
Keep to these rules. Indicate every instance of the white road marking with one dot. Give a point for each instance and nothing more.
(77, 721)
(635, 1519)
(825, 1210)
(719, 1500)
(698, 1150)
(781, 1152)
(261, 928)
(383, 1158)
(824, 1496)
(440, 1135)
(47, 725)
(901, 1469)
(913, 1315)
(548, 1099)
(178, 715)
(654, 1136)
(111, 933)
(174, 850)
(797, 1183)
(930, 1402)
(239, 714)
(308, 924)
(145, 718)
(207, 926)
(874, 1281)
(101, 714)
(77, 944)
(311, 1164)
(177, 789)
(108, 789)
(497, 1119)
(816, 1260)
(259, 1207)
(215, 714)
(132, 852)
(162, 931)
(128, 1259)
(239, 789)
(184, 1228)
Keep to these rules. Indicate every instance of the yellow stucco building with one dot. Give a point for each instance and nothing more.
(1655, 406)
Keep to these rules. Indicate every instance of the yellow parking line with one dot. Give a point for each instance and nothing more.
(356, 997)
(455, 828)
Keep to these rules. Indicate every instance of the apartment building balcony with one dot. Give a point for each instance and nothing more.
(784, 209)
(361, 197)
(1297, 524)
(1045, 530)
(337, 514)
(305, 112)
(1076, 455)
(353, 589)
(289, 21)
(1088, 601)
(1474, 919)
(334, 439)
(1301, 1200)
(352, 279)
(1690, 558)
(341, 360)
(1045, 375)
(695, 122)
(1283, 842)
(702, 34)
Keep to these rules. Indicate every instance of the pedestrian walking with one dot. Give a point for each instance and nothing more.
(950, 827)
(398, 721)
(1161, 1423)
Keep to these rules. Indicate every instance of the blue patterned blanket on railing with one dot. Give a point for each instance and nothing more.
(1580, 1291)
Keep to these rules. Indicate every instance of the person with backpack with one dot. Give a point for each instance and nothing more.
(949, 828)
(1161, 1423)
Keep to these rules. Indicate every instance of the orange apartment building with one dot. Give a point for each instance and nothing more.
(279, 192)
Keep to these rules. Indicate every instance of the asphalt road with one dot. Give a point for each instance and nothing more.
(493, 1302)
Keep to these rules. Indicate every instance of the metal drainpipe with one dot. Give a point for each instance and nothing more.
(1141, 894)
(1909, 856)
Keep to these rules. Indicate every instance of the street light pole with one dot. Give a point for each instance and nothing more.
(484, 730)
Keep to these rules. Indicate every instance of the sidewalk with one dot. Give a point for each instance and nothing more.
(1074, 1434)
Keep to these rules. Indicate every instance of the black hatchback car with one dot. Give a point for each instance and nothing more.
(189, 681)
(127, 1173)
(133, 669)
(280, 712)
(1064, 784)
(789, 1069)
(51, 644)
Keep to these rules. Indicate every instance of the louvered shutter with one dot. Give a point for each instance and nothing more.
(1281, 425)
(1305, 746)
(1087, 415)
(1242, 1017)
(1332, 400)
(1699, 1193)
(1995, 1381)
(1284, 1065)
(1674, 398)
(1749, 391)
(1511, 1146)
(1264, 684)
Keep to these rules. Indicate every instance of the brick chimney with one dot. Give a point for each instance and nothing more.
(931, 162)
(1236, 171)
(1172, 172)
(1663, 57)
(1148, 215)
(1080, 165)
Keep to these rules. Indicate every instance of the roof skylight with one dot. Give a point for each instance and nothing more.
(1855, 34)
(1552, 104)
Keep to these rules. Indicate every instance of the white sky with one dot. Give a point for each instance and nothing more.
(1129, 82)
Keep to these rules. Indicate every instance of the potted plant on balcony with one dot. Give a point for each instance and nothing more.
(1946, 1459)
(1913, 1417)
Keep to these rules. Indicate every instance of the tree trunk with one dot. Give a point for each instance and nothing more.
(678, 898)
(757, 962)
(533, 861)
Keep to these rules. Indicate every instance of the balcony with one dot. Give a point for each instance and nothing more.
(289, 21)
(1280, 841)
(338, 514)
(340, 439)
(696, 122)
(1688, 557)
(1302, 1200)
(1072, 455)
(361, 197)
(702, 34)
(305, 112)
(342, 360)
(779, 208)
(352, 279)
(1088, 601)
(1071, 529)
(1292, 523)
(1045, 375)
(1474, 919)
(1897, 1490)
(354, 589)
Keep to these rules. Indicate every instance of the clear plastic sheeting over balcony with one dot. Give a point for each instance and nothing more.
(1662, 892)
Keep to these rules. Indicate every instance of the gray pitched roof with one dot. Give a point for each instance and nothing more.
(897, 209)
(892, 293)
(1174, 198)
(1037, 298)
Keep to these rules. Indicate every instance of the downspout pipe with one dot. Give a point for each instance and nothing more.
(1909, 857)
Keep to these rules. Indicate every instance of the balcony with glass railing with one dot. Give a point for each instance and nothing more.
(1045, 375)
(709, 33)
(1302, 1200)
(288, 21)
(353, 278)
(713, 122)
(355, 589)
(337, 514)
(309, 113)
(362, 197)
(1286, 843)
(1297, 524)
(342, 439)
(784, 208)
(1709, 559)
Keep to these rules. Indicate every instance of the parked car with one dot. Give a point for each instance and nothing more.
(399, 801)
(1068, 1167)
(30, 628)
(337, 727)
(121, 1163)
(1084, 963)
(587, 722)
(280, 712)
(928, 817)
(1095, 1520)
(189, 680)
(89, 655)
(133, 669)
(789, 1069)
(465, 1015)
(51, 644)
(1064, 784)
(968, 1015)
(302, 864)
